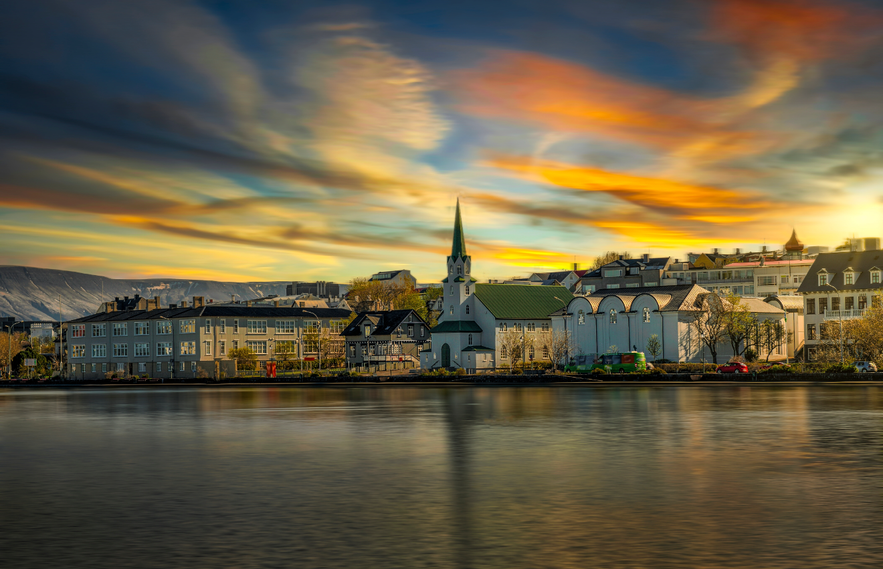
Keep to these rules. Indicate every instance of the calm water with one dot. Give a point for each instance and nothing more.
(409, 477)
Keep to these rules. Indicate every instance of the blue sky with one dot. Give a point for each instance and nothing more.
(280, 140)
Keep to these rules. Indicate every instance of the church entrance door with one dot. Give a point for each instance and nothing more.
(446, 356)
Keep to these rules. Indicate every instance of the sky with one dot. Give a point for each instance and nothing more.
(279, 140)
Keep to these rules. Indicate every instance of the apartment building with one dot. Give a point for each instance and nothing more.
(194, 341)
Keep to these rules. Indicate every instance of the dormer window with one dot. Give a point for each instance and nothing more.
(849, 278)
(823, 279)
(875, 275)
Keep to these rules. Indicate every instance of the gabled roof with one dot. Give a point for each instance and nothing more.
(760, 306)
(383, 323)
(835, 264)
(521, 302)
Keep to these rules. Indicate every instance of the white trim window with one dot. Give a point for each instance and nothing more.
(78, 330)
(222, 326)
(188, 348)
(504, 327)
(99, 330)
(78, 351)
(257, 326)
(142, 350)
(257, 346)
(286, 326)
(235, 344)
(612, 273)
(410, 330)
(187, 326)
(236, 325)
(193, 367)
(649, 284)
(849, 278)
(120, 328)
(545, 327)
(208, 326)
(121, 366)
(222, 347)
(121, 350)
(142, 328)
(612, 285)
(158, 367)
(207, 347)
(875, 277)
(163, 348)
(99, 351)
(163, 327)
(183, 366)
(94, 368)
(142, 367)
(823, 279)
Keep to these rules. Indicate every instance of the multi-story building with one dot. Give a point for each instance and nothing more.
(839, 286)
(402, 278)
(645, 271)
(390, 339)
(178, 342)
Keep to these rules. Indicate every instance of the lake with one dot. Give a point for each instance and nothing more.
(684, 476)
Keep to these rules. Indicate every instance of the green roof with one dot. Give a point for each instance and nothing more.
(522, 302)
(456, 326)
(458, 248)
(477, 349)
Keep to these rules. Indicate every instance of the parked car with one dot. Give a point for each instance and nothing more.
(733, 367)
(865, 366)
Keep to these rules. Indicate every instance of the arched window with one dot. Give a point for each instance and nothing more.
(452, 310)
(503, 327)
(469, 339)
(582, 317)
(530, 352)
(467, 309)
(467, 290)
(504, 353)
(612, 316)
(459, 269)
(646, 314)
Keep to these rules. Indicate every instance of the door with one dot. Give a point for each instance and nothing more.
(446, 356)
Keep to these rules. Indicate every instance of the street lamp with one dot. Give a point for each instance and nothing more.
(840, 314)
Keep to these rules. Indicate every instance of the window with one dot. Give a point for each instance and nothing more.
(849, 278)
(862, 302)
(193, 366)
(545, 352)
(78, 351)
(766, 280)
(504, 353)
(835, 303)
(849, 303)
(257, 327)
(411, 329)
(163, 327)
(222, 347)
(823, 305)
(469, 339)
(158, 367)
(467, 290)
(208, 326)
(163, 348)
(364, 350)
(353, 350)
(99, 351)
(797, 279)
(235, 325)
(142, 350)
(632, 285)
(451, 290)
(810, 331)
(222, 326)
(257, 346)
(142, 367)
(545, 327)
(504, 327)
(120, 350)
(810, 306)
(235, 344)
(142, 328)
(823, 279)
(207, 347)
(285, 327)
(451, 310)
(651, 284)
(459, 269)
(312, 327)
(188, 349)
(182, 367)
(582, 317)
(104, 367)
(422, 331)
(612, 316)
(875, 277)
(467, 309)
(120, 328)
(337, 326)
(612, 273)
(646, 314)
(784, 279)
(613, 286)
(187, 326)
(121, 367)
(78, 330)
(94, 368)
(530, 352)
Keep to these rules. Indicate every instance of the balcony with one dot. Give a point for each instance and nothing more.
(844, 314)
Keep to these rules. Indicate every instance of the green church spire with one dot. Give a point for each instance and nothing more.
(458, 249)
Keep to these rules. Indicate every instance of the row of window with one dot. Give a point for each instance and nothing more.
(849, 277)
(164, 327)
(531, 327)
(142, 350)
(122, 367)
(504, 352)
(848, 301)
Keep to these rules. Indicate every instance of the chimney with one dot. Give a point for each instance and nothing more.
(620, 257)
(716, 250)
(116, 298)
(183, 304)
(276, 303)
(233, 298)
(738, 251)
(763, 250)
(575, 267)
(645, 257)
(198, 301)
(247, 303)
(173, 306)
(156, 301)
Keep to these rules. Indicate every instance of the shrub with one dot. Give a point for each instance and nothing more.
(109, 375)
(750, 355)
(658, 371)
(841, 368)
(599, 371)
(778, 369)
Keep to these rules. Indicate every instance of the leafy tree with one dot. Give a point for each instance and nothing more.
(43, 367)
(654, 347)
(740, 325)
(608, 257)
(244, 357)
(771, 335)
(285, 352)
(10, 346)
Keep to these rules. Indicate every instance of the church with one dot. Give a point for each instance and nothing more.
(476, 315)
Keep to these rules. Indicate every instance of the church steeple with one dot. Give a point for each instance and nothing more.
(458, 248)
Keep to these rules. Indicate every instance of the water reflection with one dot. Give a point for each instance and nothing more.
(411, 477)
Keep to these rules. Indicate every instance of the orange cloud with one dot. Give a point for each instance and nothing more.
(688, 201)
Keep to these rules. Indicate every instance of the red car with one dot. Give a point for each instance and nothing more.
(733, 367)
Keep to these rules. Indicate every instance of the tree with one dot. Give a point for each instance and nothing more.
(557, 344)
(654, 347)
(285, 352)
(709, 319)
(771, 335)
(740, 325)
(244, 357)
(510, 344)
(10, 346)
(609, 257)
(42, 367)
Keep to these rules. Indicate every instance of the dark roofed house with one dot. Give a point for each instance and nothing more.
(387, 340)
(645, 271)
(401, 277)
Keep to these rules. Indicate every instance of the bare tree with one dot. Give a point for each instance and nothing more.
(654, 347)
(771, 335)
(710, 319)
(740, 325)
(557, 344)
(608, 257)
(510, 343)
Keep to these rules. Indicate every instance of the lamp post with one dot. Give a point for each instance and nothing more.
(840, 314)
(318, 338)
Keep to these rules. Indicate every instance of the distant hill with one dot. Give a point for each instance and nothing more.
(28, 293)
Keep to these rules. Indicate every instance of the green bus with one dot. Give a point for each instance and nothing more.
(611, 363)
